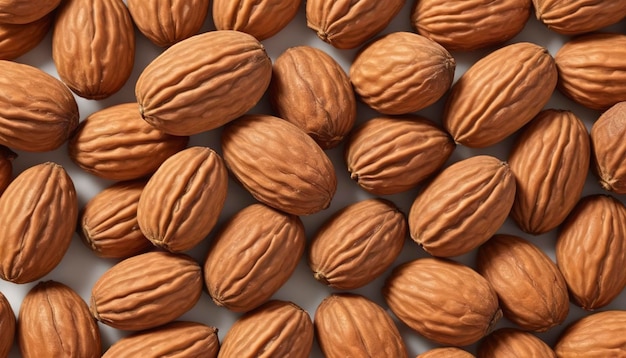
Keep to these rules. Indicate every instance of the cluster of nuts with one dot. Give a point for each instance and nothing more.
(167, 197)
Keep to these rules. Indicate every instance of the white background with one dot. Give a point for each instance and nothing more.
(80, 268)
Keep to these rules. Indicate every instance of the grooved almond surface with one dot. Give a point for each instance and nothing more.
(261, 19)
(446, 352)
(7, 326)
(18, 39)
(609, 148)
(597, 335)
(571, 17)
(513, 343)
(25, 11)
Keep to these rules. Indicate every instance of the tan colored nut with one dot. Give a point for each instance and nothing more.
(347, 24)
(179, 339)
(6, 167)
(279, 164)
(203, 82)
(442, 300)
(7, 326)
(531, 289)
(463, 206)
(609, 148)
(115, 143)
(252, 256)
(446, 352)
(402, 72)
(463, 25)
(513, 343)
(597, 335)
(54, 321)
(591, 251)
(108, 223)
(572, 17)
(357, 244)
(311, 90)
(146, 291)
(350, 325)
(279, 328)
(93, 46)
(40, 114)
(17, 39)
(499, 94)
(550, 161)
(261, 19)
(39, 214)
(166, 22)
(592, 69)
(25, 11)
(390, 155)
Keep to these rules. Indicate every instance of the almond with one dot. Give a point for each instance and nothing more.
(261, 19)
(609, 148)
(25, 11)
(18, 39)
(598, 335)
(513, 343)
(446, 352)
(7, 326)
(571, 17)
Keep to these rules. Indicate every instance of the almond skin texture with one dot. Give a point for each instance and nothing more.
(278, 329)
(146, 291)
(25, 11)
(463, 206)
(571, 17)
(6, 167)
(203, 82)
(416, 289)
(463, 25)
(591, 251)
(183, 200)
(252, 256)
(478, 115)
(7, 326)
(343, 327)
(311, 90)
(597, 335)
(609, 148)
(402, 72)
(357, 244)
(39, 214)
(17, 39)
(261, 19)
(37, 111)
(54, 321)
(180, 339)
(390, 155)
(279, 164)
(592, 69)
(513, 343)
(116, 144)
(349, 24)
(550, 160)
(446, 352)
(166, 22)
(93, 46)
(108, 223)
(531, 289)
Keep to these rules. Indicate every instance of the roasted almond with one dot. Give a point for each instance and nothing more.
(513, 343)
(25, 11)
(7, 326)
(446, 352)
(17, 39)
(261, 19)
(609, 148)
(571, 17)
(598, 335)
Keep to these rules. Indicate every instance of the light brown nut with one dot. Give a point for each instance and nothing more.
(39, 214)
(591, 251)
(6, 167)
(402, 72)
(166, 22)
(597, 335)
(252, 256)
(513, 343)
(279, 164)
(446, 352)
(146, 291)
(442, 300)
(499, 94)
(592, 69)
(531, 289)
(183, 200)
(390, 155)
(347, 24)
(108, 223)
(179, 339)
(25, 11)
(311, 90)
(550, 161)
(463, 206)
(261, 19)
(350, 325)
(571, 17)
(93, 46)
(357, 244)
(203, 82)
(54, 321)
(17, 39)
(609, 148)
(279, 328)
(7, 326)
(462, 25)
(115, 143)
(40, 113)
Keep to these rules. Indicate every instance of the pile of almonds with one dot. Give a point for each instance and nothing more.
(414, 178)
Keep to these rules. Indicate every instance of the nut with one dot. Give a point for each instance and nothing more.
(7, 326)
(25, 11)
(609, 148)
(599, 334)
(446, 352)
(572, 17)
(17, 39)
(261, 19)
(513, 343)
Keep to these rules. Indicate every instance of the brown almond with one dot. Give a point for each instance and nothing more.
(25, 11)
(17, 39)
(7, 326)
(343, 327)
(463, 206)
(39, 214)
(609, 148)
(6, 167)
(571, 17)
(513, 343)
(261, 19)
(446, 352)
(597, 335)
